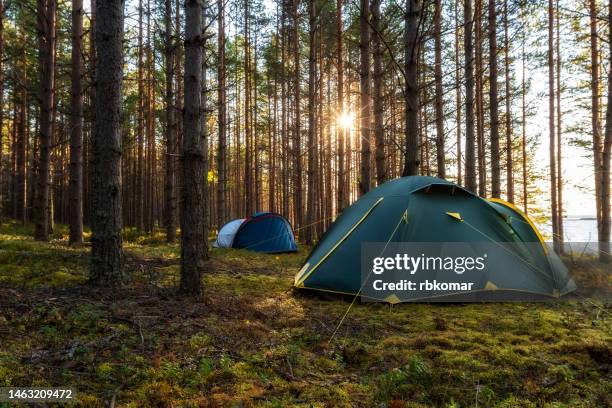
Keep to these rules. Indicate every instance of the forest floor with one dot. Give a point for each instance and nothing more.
(253, 341)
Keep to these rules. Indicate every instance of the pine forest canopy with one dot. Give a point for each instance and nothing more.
(184, 114)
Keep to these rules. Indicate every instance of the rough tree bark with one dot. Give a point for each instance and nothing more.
(91, 111)
(170, 192)
(222, 118)
(76, 127)
(204, 126)
(106, 241)
(249, 181)
(46, 57)
(140, 166)
(379, 135)
(365, 96)
(440, 153)
(604, 246)
(524, 128)
(284, 110)
(297, 127)
(21, 145)
(470, 145)
(194, 248)
(1, 106)
(150, 203)
(458, 102)
(341, 201)
(595, 125)
(494, 103)
(509, 159)
(312, 61)
(559, 134)
(479, 100)
(551, 124)
(411, 61)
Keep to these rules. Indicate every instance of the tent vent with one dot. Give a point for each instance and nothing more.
(455, 215)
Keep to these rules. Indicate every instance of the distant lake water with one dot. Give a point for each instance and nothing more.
(575, 229)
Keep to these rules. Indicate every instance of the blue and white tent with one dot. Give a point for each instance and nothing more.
(262, 232)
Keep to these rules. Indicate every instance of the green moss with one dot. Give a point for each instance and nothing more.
(104, 371)
(254, 342)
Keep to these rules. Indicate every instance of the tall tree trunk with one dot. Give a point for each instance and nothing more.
(204, 127)
(440, 153)
(595, 124)
(424, 121)
(21, 198)
(379, 135)
(272, 134)
(248, 166)
(297, 128)
(509, 147)
(87, 148)
(255, 141)
(551, 124)
(411, 61)
(364, 96)
(107, 253)
(221, 119)
(341, 182)
(494, 103)
(604, 245)
(524, 127)
(170, 192)
(470, 145)
(480, 100)
(46, 56)
(320, 144)
(329, 158)
(559, 134)
(150, 136)
(178, 98)
(1, 108)
(458, 102)
(76, 126)
(284, 110)
(194, 245)
(140, 190)
(312, 61)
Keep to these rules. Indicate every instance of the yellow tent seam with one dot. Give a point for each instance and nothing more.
(525, 216)
(324, 258)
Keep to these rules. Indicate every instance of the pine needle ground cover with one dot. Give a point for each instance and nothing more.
(253, 341)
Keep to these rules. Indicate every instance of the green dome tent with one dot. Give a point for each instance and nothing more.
(432, 210)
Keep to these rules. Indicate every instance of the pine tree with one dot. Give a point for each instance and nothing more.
(365, 97)
(494, 103)
(194, 247)
(46, 55)
(106, 242)
(170, 181)
(440, 153)
(470, 157)
(411, 94)
(76, 125)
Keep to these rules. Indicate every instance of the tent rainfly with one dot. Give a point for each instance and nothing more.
(430, 210)
(262, 232)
